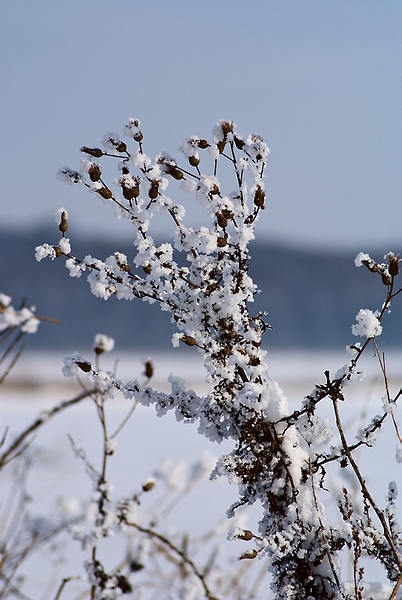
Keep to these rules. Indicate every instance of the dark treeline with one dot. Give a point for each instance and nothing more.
(311, 297)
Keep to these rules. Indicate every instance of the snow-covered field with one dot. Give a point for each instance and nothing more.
(147, 442)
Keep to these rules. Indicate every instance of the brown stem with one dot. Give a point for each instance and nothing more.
(365, 491)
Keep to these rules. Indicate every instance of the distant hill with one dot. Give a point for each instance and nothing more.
(311, 297)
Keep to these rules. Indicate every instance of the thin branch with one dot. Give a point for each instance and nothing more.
(175, 549)
(365, 491)
(9, 454)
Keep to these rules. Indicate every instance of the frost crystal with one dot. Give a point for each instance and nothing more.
(367, 324)
(44, 251)
(67, 175)
(363, 258)
(11, 317)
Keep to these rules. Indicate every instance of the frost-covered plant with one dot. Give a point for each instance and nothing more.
(125, 545)
(280, 458)
(152, 558)
(14, 325)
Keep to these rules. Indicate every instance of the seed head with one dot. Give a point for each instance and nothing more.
(95, 152)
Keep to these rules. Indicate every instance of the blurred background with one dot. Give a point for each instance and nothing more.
(320, 81)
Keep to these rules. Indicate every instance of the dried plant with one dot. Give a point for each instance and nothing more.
(281, 459)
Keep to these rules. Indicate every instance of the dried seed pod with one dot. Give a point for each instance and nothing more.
(154, 189)
(121, 146)
(227, 127)
(63, 225)
(135, 566)
(57, 251)
(386, 278)
(371, 265)
(202, 144)
(250, 555)
(95, 152)
(147, 269)
(228, 214)
(194, 161)
(221, 146)
(124, 267)
(222, 220)
(221, 242)
(149, 369)
(130, 192)
(176, 173)
(259, 197)
(239, 142)
(393, 261)
(94, 172)
(246, 535)
(104, 192)
(138, 137)
(148, 485)
(188, 339)
(84, 366)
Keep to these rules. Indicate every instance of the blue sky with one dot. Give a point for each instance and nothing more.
(321, 80)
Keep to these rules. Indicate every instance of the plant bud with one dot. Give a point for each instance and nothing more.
(214, 191)
(147, 269)
(94, 172)
(202, 144)
(227, 127)
(228, 214)
(393, 261)
(239, 143)
(221, 242)
(194, 161)
(222, 220)
(153, 192)
(95, 152)
(63, 225)
(57, 251)
(386, 278)
(135, 566)
(121, 146)
(259, 197)
(84, 366)
(188, 339)
(124, 267)
(130, 192)
(246, 535)
(373, 267)
(149, 369)
(105, 193)
(176, 173)
(250, 555)
(138, 137)
(123, 584)
(221, 146)
(148, 485)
